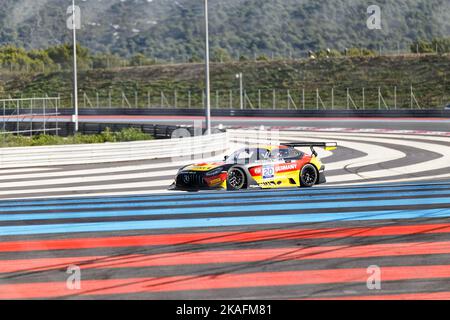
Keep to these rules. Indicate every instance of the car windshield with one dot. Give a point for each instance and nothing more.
(247, 155)
(286, 153)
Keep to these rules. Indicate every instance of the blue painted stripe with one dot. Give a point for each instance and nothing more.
(274, 199)
(206, 195)
(221, 222)
(227, 209)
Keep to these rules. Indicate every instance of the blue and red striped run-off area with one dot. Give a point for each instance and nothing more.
(286, 244)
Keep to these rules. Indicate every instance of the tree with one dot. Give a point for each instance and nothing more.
(221, 55)
(18, 58)
(422, 46)
(140, 60)
(262, 57)
(105, 61)
(63, 55)
(357, 52)
(442, 45)
(328, 53)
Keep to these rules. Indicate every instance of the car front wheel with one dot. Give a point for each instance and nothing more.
(236, 179)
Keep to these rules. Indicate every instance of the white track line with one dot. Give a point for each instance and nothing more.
(80, 179)
(24, 170)
(95, 194)
(375, 155)
(125, 185)
(107, 170)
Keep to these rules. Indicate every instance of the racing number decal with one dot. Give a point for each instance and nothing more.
(268, 172)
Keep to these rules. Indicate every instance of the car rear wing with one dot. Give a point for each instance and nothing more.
(328, 146)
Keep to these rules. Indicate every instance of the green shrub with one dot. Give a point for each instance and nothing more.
(109, 136)
(262, 57)
(46, 140)
(126, 135)
(132, 134)
(329, 53)
(439, 45)
(86, 139)
(221, 55)
(356, 52)
(9, 140)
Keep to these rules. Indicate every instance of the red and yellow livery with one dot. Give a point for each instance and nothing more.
(265, 167)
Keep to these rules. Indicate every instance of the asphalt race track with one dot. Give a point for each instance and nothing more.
(362, 158)
(386, 204)
(295, 244)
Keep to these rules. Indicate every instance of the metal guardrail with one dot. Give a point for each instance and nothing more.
(112, 152)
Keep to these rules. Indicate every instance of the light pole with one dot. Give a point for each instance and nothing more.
(241, 89)
(75, 78)
(207, 76)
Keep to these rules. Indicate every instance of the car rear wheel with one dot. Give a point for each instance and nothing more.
(308, 176)
(236, 179)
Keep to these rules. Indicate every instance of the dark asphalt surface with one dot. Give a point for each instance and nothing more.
(203, 246)
(286, 244)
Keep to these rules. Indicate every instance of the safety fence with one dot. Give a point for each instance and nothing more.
(330, 97)
(18, 116)
(317, 98)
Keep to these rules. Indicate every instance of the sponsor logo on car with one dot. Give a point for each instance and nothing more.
(215, 181)
(269, 171)
(286, 167)
(198, 168)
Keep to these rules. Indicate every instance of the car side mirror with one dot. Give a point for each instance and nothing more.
(225, 158)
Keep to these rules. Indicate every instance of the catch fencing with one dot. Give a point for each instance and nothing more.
(384, 97)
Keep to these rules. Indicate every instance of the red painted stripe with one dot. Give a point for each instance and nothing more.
(211, 282)
(229, 256)
(219, 237)
(404, 296)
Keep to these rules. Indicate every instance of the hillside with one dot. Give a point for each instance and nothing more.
(174, 29)
(429, 76)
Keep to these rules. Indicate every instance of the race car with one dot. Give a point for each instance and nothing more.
(267, 167)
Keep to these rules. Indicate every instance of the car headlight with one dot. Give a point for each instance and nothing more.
(214, 172)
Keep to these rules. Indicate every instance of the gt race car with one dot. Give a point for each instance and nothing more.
(267, 167)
